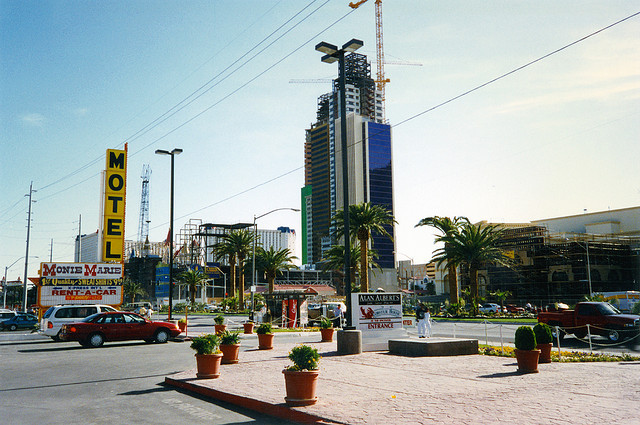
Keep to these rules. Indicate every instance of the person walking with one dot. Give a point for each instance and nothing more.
(427, 320)
(422, 325)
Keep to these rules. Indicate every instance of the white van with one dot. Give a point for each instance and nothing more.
(58, 315)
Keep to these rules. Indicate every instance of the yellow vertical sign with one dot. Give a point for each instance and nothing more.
(114, 205)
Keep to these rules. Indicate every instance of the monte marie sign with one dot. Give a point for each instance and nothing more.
(80, 283)
(81, 270)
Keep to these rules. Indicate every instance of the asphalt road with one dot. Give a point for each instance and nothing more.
(43, 382)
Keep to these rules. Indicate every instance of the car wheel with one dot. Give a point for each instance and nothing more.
(13, 327)
(95, 340)
(613, 335)
(162, 336)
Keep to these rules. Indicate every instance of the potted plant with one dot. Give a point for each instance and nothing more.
(526, 353)
(326, 329)
(219, 324)
(230, 347)
(544, 340)
(208, 356)
(301, 378)
(265, 336)
(248, 327)
(182, 324)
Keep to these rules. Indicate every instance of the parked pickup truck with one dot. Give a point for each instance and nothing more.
(603, 319)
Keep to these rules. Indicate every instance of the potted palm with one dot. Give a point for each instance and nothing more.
(326, 329)
(265, 336)
(301, 378)
(248, 327)
(526, 353)
(544, 341)
(219, 324)
(230, 347)
(208, 356)
(182, 324)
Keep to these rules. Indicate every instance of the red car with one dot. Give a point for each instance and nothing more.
(99, 328)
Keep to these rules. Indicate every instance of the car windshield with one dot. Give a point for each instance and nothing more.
(48, 312)
(607, 309)
(91, 318)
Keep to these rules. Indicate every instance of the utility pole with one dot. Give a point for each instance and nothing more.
(26, 255)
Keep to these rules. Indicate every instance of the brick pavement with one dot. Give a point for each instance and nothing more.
(379, 388)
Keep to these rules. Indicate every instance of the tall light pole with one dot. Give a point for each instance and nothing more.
(255, 237)
(26, 255)
(333, 54)
(173, 153)
(4, 284)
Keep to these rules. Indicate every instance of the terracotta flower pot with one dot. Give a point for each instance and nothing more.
(230, 353)
(220, 328)
(327, 334)
(248, 327)
(208, 365)
(301, 387)
(527, 360)
(265, 341)
(182, 326)
(545, 352)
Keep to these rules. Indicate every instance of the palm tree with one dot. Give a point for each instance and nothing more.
(193, 279)
(448, 227)
(365, 219)
(501, 295)
(334, 261)
(272, 262)
(132, 288)
(473, 246)
(242, 243)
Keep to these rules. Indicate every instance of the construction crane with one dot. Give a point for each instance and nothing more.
(381, 81)
(143, 224)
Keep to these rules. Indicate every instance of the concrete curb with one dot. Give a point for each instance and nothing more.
(281, 411)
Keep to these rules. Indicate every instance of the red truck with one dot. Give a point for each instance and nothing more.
(603, 319)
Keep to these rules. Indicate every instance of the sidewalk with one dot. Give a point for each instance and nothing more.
(379, 388)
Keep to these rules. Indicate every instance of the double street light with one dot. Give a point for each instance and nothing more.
(173, 153)
(333, 54)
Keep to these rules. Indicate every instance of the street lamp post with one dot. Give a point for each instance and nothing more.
(4, 284)
(173, 153)
(333, 54)
(255, 237)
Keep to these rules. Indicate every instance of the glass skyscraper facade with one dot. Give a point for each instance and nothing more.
(370, 163)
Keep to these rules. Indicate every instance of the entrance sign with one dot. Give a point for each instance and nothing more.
(378, 315)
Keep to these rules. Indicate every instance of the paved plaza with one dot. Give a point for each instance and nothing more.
(380, 388)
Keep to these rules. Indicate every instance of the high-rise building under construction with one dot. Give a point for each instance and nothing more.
(369, 158)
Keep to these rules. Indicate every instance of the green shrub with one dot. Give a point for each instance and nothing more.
(325, 323)
(525, 338)
(304, 358)
(219, 319)
(229, 338)
(206, 344)
(543, 333)
(264, 328)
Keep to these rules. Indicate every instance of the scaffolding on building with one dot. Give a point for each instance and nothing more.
(553, 267)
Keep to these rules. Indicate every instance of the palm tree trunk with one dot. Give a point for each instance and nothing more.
(364, 265)
(240, 283)
(453, 284)
(473, 283)
(271, 279)
(232, 278)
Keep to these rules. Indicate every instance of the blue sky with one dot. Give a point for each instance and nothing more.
(553, 139)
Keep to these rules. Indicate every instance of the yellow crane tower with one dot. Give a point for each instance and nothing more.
(380, 78)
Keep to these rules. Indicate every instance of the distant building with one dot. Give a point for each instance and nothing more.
(564, 258)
